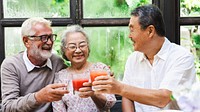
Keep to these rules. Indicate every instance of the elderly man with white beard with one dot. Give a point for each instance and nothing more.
(27, 78)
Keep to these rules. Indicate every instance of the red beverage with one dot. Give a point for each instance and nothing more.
(78, 83)
(94, 74)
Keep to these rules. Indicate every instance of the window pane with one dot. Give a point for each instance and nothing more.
(190, 38)
(13, 41)
(189, 8)
(111, 46)
(33, 8)
(110, 8)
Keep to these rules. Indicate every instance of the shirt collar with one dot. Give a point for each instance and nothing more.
(162, 53)
(31, 66)
(142, 57)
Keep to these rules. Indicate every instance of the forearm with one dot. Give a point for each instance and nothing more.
(99, 100)
(21, 104)
(127, 105)
(159, 98)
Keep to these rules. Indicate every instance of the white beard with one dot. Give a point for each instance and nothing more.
(40, 54)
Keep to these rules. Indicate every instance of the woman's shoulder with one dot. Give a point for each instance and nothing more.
(62, 72)
(62, 75)
(100, 65)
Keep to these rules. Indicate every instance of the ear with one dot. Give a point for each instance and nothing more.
(151, 30)
(25, 40)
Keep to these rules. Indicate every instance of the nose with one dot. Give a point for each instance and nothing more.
(78, 50)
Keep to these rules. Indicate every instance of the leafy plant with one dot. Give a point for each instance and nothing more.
(190, 7)
(196, 44)
(110, 46)
(196, 40)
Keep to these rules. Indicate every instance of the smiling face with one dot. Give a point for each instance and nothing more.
(77, 50)
(36, 49)
(137, 35)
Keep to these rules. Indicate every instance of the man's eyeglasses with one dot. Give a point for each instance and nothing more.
(73, 47)
(43, 38)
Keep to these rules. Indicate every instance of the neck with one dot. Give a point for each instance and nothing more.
(154, 47)
(79, 68)
(37, 62)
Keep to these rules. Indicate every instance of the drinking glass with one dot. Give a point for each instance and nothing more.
(78, 80)
(95, 73)
(66, 82)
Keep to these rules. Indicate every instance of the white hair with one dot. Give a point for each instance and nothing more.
(72, 29)
(26, 28)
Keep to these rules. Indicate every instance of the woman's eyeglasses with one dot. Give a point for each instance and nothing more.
(73, 47)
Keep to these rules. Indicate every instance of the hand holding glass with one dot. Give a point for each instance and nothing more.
(96, 73)
(78, 80)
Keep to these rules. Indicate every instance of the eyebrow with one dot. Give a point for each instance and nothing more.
(78, 43)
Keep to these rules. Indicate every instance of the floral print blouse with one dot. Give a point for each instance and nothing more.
(73, 103)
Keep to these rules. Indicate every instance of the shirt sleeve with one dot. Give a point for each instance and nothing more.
(110, 101)
(182, 73)
(11, 99)
(127, 72)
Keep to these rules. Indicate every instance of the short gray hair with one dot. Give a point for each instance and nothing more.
(71, 29)
(26, 28)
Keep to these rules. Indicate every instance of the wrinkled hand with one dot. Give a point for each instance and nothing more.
(50, 93)
(107, 84)
(86, 90)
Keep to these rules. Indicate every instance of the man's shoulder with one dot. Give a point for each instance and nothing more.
(13, 59)
(55, 57)
(179, 50)
(57, 61)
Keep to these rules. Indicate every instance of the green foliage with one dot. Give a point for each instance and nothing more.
(143, 2)
(105, 8)
(196, 40)
(59, 7)
(110, 46)
(57, 43)
(32, 8)
(120, 3)
(196, 44)
(197, 65)
(190, 7)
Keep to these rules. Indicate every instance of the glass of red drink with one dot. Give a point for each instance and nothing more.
(78, 80)
(97, 72)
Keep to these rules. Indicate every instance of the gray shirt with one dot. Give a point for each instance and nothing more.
(19, 85)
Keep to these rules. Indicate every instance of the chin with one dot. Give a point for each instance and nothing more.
(46, 54)
(79, 61)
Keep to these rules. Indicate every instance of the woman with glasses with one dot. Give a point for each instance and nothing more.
(75, 48)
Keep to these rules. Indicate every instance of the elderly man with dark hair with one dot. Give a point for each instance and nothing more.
(154, 70)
